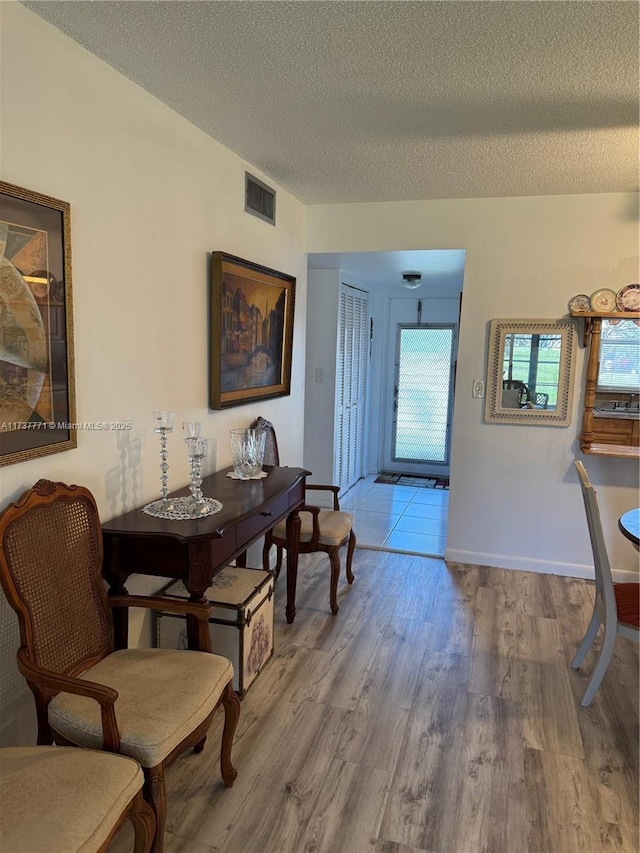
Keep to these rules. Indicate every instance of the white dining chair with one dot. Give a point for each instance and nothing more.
(616, 606)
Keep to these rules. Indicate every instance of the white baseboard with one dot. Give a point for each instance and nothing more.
(624, 576)
(543, 567)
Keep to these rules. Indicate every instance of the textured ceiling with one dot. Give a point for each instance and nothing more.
(379, 101)
(442, 267)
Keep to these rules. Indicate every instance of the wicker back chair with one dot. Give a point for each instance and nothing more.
(149, 704)
(325, 530)
(271, 454)
(540, 400)
(53, 557)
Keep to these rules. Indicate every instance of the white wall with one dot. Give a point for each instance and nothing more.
(320, 400)
(151, 196)
(515, 500)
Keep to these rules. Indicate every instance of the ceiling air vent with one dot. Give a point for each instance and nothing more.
(260, 200)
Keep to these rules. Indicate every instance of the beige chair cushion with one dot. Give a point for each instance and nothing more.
(56, 799)
(334, 527)
(163, 695)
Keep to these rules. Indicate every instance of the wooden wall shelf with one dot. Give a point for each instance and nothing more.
(604, 436)
(619, 450)
(590, 316)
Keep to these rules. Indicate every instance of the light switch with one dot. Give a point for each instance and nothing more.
(477, 389)
(320, 375)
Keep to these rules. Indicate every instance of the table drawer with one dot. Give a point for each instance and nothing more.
(224, 547)
(296, 495)
(265, 518)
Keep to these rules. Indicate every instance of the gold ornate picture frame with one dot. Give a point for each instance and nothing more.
(37, 389)
(251, 340)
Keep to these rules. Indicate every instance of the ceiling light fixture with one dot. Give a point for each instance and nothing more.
(411, 280)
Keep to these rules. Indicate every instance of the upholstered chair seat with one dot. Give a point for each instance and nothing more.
(628, 604)
(64, 800)
(333, 526)
(147, 732)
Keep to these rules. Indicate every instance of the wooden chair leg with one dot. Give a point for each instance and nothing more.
(143, 819)
(156, 794)
(266, 553)
(45, 735)
(334, 556)
(266, 550)
(231, 705)
(350, 549)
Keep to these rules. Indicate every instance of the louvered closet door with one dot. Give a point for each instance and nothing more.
(351, 386)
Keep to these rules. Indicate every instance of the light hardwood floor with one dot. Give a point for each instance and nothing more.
(436, 712)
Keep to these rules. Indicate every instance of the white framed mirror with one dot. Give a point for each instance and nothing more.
(530, 372)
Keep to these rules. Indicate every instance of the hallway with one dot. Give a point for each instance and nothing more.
(398, 518)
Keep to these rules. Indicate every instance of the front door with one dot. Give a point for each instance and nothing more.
(420, 401)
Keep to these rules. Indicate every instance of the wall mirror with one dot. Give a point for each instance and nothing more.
(530, 372)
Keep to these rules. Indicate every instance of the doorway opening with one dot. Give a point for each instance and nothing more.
(422, 398)
(395, 517)
(418, 383)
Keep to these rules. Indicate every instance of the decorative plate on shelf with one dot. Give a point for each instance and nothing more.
(628, 298)
(603, 300)
(580, 303)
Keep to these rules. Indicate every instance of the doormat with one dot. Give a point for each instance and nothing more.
(409, 480)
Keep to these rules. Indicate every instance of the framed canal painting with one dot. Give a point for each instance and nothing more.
(37, 393)
(251, 340)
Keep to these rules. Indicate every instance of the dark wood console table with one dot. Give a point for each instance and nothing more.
(195, 550)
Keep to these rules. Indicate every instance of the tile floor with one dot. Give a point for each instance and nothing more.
(398, 518)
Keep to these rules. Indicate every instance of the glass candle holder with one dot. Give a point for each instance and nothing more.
(163, 424)
(197, 449)
(192, 429)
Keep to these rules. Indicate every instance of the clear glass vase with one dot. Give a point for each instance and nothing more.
(247, 452)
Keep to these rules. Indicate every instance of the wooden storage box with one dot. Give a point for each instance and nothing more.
(241, 625)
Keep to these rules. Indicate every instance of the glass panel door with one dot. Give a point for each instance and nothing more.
(422, 399)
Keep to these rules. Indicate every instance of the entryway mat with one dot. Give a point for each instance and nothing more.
(410, 480)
